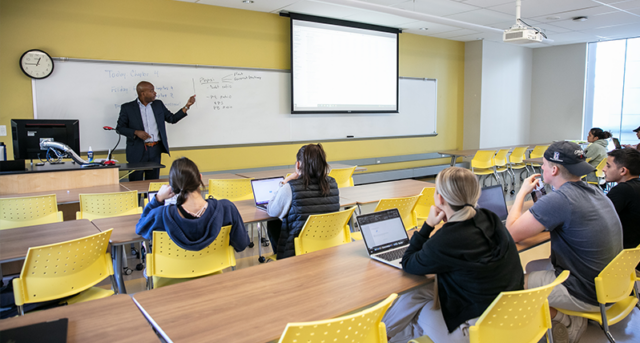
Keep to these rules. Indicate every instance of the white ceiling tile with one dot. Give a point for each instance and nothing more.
(257, 5)
(478, 36)
(377, 18)
(537, 8)
(460, 32)
(488, 3)
(552, 29)
(573, 37)
(587, 12)
(436, 7)
(627, 4)
(433, 28)
(482, 17)
(321, 9)
(604, 20)
(622, 31)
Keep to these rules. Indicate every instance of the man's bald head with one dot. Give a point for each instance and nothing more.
(146, 92)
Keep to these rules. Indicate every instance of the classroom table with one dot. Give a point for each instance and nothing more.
(143, 185)
(14, 243)
(255, 304)
(72, 195)
(370, 193)
(284, 171)
(471, 152)
(537, 160)
(112, 319)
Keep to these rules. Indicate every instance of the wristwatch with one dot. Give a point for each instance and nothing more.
(185, 108)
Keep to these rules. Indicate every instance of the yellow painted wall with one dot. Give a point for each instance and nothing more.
(177, 32)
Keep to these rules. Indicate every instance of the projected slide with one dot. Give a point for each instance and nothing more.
(343, 69)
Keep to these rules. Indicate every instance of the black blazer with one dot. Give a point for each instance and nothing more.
(130, 120)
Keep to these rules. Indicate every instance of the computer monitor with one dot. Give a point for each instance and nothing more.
(27, 134)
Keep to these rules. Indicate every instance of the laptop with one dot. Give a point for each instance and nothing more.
(51, 332)
(263, 190)
(616, 143)
(492, 199)
(384, 235)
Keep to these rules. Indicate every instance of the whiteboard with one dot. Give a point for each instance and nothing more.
(234, 106)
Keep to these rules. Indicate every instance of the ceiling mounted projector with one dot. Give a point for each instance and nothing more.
(521, 32)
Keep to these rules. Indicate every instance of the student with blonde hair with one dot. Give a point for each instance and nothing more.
(472, 255)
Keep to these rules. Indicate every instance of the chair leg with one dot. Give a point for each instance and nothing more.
(114, 284)
(549, 336)
(20, 310)
(605, 325)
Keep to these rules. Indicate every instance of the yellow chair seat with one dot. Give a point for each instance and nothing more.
(482, 171)
(93, 293)
(501, 169)
(356, 236)
(159, 281)
(517, 165)
(615, 313)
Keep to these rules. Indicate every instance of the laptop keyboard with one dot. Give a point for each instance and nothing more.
(393, 254)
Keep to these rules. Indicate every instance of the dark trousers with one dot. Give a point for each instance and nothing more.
(151, 154)
(273, 229)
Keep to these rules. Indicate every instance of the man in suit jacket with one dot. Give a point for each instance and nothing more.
(142, 122)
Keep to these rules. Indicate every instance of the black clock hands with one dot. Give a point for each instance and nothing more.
(37, 64)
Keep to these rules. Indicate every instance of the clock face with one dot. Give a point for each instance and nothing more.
(36, 64)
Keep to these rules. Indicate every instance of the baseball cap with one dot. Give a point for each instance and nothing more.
(636, 130)
(569, 155)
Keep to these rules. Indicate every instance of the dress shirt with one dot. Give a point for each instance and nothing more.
(149, 121)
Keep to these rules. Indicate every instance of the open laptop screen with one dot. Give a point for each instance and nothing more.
(492, 199)
(263, 189)
(382, 230)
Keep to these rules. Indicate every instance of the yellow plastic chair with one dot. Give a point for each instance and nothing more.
(28, 211)
(614, 285)
(63, 269)
(483, 164)
(169, 264)
(231, 189)
(322, 231)
(343, 176)
(423, 206)
(516, 161)
(599, 172)
(106, 205)
(406, 207)
(501, 165)
(537, 152)
(154, 187)
(514, 317)
(363, 327)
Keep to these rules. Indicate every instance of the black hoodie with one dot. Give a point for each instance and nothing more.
(475, 260)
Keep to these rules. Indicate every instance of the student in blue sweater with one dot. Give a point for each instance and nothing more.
(193, 223)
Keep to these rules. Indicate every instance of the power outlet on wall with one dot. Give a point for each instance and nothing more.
(3, 130)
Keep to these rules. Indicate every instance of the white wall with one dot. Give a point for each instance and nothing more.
(558, 85)
(497, 99)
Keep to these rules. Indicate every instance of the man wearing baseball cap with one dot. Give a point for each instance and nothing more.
(585, 236)
(637, 146)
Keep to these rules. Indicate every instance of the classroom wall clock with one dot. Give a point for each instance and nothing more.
(36, 64)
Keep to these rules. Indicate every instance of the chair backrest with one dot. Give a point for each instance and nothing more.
(616, 280)
(106, 205)
(483, 159)
(343, 176)
(518, 316)
(27, 211)
(600, 167)
(363, 327)
(501, 157)
(538, 151)
(169, 260)
(63, 269)
(517, 155)
(322, 231)
(155, 186)
(425, 201)
(231, 189)
(406, 207)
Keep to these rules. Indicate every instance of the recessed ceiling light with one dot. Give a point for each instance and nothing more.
(581, 18)
(554, 17)
(247, 1)
(424, 28)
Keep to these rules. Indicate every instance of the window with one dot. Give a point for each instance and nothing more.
(613, 88)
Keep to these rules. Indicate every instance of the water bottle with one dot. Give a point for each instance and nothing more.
(90, 154)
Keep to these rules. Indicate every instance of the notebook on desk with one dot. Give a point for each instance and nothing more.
(492, 199)
(384, 235)
(50, 332)
(263, 190)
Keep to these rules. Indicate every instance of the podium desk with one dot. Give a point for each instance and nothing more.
(14, 243)
(112, 319)
(320, 285)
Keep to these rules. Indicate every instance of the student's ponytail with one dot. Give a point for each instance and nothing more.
(460, 189)
(184, 179)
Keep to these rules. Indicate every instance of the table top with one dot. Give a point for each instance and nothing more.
(284, 171)
(471, 152)
(124, 228)
(72, 195)
(112, 319)
(14, 243)
(373, 192)
(320, 285)
(533, 160)
(143, 186)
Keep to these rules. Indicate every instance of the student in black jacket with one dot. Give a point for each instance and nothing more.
(472, 255)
